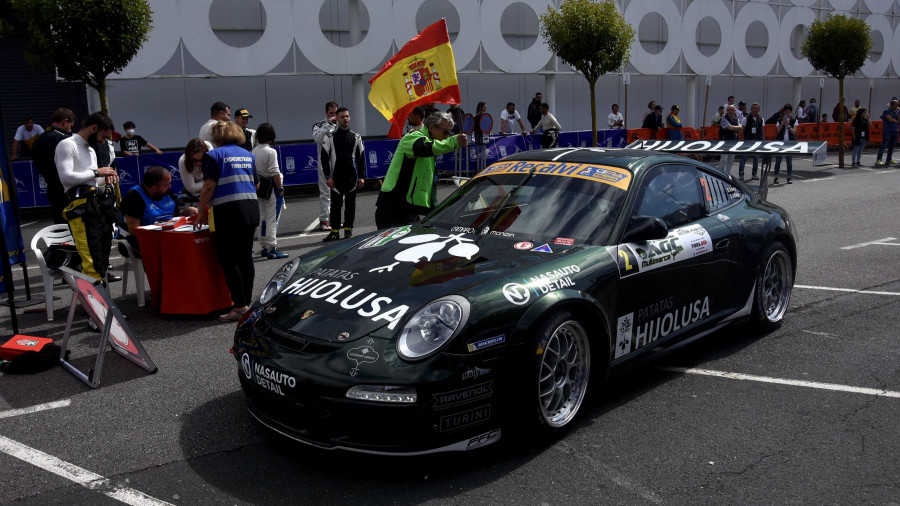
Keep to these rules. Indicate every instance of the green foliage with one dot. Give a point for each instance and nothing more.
(85, 40)
(591, 36)
(838, 45)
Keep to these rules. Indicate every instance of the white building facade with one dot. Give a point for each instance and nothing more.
(283, 59)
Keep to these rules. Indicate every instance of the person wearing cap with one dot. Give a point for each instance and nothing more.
(242, 117)
(674, 124)
(653, 121)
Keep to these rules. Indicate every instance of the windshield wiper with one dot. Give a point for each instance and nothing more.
(512, 193)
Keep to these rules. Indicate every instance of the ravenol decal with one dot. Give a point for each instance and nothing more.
(368, 304)
(680, 244)
(613, 176)
(633, 335)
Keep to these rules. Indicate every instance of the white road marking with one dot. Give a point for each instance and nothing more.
(848, 290)
(35, 409)
(825, 334)
(817, 180)
(781, 381)
(876, 241)
(71, 472)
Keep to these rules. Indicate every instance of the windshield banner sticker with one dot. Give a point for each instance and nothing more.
(680, 244)
(612, 176)
(427, 245)
(652, 324)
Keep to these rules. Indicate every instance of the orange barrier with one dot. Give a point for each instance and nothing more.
(876, 132)
(690, 134)
(771, 131)
(710, 133)
(807, 132)
(639, 134)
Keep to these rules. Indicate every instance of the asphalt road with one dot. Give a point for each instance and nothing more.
(807, 414)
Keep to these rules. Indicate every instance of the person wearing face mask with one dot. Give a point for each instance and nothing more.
(91, 211)
(131, 144)
(407, 189)
(44, 150)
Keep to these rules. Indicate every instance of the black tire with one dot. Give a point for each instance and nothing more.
(774, 282)
(560, 371)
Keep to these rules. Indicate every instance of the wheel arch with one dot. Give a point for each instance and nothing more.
(588, 310)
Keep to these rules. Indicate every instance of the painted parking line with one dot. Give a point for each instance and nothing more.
(848, 290)
(35, 409)
(878, 392)
(81, 476)
(817, 180)
(870, 243)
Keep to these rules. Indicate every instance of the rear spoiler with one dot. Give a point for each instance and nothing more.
(817, 149)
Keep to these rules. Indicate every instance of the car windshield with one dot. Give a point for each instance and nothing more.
(536, 207)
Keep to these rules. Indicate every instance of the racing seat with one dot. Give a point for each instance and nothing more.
(54, 234)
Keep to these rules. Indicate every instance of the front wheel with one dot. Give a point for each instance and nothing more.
(774, 283)
(561, 370)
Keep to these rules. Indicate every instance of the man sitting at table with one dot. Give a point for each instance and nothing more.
(152, 202)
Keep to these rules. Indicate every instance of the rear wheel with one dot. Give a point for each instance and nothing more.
(561, 370)
(774, 283)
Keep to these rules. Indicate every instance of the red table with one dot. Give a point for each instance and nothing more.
(183, 270)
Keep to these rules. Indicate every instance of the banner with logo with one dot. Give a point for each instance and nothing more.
(9, 218)
(298, 162)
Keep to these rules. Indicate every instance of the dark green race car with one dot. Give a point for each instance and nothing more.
(526, 287)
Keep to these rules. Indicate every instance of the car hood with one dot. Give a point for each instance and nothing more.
(385, 278)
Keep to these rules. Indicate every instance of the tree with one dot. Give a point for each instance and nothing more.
(839, 47)
(86, 40)
(593, 37)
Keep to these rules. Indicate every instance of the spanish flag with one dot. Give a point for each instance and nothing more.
(422, 72)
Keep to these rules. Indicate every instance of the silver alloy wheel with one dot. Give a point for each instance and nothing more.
(776, 285)
(563, 374)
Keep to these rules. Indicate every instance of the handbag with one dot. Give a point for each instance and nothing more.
(266, 185)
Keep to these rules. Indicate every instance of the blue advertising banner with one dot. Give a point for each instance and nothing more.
(9, 219)
(299, 162)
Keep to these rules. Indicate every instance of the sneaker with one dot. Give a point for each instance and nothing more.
(112, 278)
(895, 162)
(348, 232)
(264, 253)
(754, 178)
(775, 181)
(789, 181)
(275, 254)
(233, 315)
(879, 163)
(741, 177)
(333, 236)
(323, 226)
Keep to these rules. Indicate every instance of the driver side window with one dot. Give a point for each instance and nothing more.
(671, 193)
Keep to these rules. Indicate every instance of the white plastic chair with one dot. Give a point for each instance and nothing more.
(131, 262)
(54, 234)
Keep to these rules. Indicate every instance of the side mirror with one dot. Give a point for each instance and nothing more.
(645, 228)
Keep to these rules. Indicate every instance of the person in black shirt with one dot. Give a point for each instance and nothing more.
(44, 150)
(653, 121)
(534, 111)
(131, 144)
(344, 165)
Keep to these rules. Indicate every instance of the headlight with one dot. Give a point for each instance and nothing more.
(433, 327)
(278, 280)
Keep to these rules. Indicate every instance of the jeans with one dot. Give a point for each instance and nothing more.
(790, 165)
(890, 139)
(725, 163)
(857, 151)
(744, 162)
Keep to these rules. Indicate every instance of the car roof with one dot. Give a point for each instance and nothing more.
(632, 159)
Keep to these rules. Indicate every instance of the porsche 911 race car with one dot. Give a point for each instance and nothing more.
(527, 286)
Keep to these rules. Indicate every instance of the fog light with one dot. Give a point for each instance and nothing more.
(383, 393)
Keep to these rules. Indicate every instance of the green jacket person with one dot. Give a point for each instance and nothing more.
(409, 183)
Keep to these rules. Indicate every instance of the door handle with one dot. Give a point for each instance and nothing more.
(724, 244)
